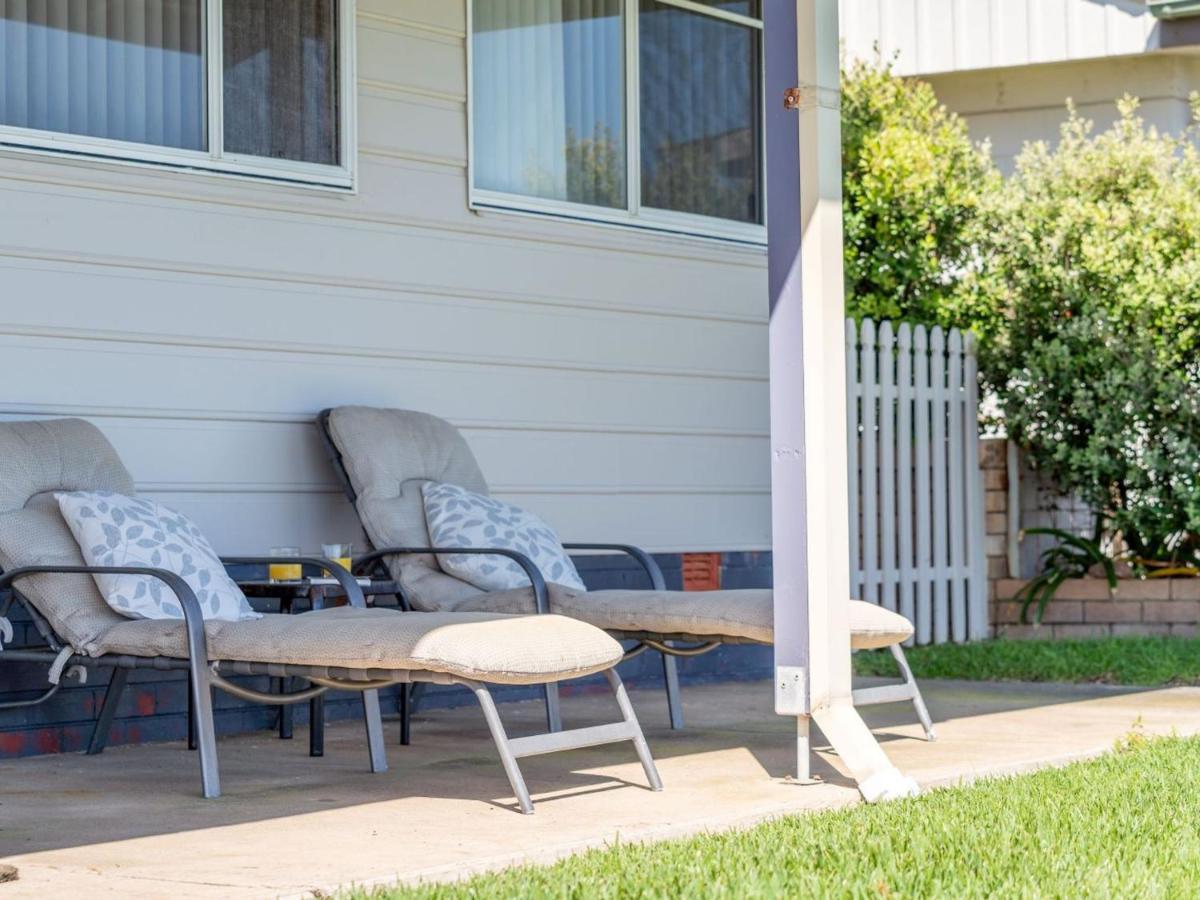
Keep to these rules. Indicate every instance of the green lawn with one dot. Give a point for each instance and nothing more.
(1127, 660)
(1124, 825)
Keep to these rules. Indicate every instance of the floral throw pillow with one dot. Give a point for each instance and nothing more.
(115, 530)
(460, 518)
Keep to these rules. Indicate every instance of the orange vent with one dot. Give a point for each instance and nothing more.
(702, 571)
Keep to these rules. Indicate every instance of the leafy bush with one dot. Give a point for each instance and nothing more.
(913, 187)
(1093, 248)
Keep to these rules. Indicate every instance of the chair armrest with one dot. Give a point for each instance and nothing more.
(644, 559)
(540, 595)
(354, 594)
(193, 617)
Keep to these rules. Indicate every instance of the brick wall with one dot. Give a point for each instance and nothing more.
(1085, 608)
(1082, 607)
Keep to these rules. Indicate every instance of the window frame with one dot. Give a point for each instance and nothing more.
(214, 160)
(634, 214)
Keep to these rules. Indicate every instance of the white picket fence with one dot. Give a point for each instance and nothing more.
(916, 489)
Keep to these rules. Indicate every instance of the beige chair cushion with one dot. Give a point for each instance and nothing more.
(388, 455)
(872, 626)
(482, 647)
(36, 459)
(744, 614)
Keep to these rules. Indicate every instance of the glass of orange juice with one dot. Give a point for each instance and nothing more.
(282, 570)
(342, 554)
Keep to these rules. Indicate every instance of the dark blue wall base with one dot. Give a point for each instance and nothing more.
(154, 707)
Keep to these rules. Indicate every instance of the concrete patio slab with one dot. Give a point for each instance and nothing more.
(130, 823)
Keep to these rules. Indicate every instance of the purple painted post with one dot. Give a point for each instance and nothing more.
(809, 482)
(786, 338)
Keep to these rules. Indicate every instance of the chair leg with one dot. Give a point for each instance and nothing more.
(553, 710)
(200, 693)
(415, 694)
(515, 779)
(639, 739)
(404, 707)
(674, 700)
(918, 701)
(374, 723)
(191, 715)
(112, 697)
(316, 726)
(286, 722)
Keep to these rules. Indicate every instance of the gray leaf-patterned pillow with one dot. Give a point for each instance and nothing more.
(116, 530)
(462, 518)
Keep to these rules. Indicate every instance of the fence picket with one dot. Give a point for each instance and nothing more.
(870, 471)
(956, 464)
(887, 466)
(904, 473)
(976, 527)
(924, 518)
(853, 393)
(941, 554)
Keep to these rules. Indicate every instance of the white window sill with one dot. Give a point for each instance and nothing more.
(679, 228)
(111, 154)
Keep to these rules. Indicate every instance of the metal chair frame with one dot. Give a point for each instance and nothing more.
(205, 674)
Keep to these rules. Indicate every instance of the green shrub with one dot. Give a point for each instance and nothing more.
(1093, 248)
(913, 187)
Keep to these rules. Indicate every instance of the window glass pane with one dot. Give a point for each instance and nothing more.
(128, 70)
(741, 7)
(281, 86)
(700, 114)
(549, 99)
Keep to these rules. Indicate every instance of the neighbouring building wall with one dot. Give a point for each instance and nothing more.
(613, 381)
(1009, 67)
(930, 36)
(1010, 107)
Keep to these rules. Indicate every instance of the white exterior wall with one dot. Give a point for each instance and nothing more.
(1009, 66)
(614, 381)
(1009, 107)
(929, 36)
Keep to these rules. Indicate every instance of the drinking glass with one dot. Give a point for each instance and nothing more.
(285, 571)
(342, 554)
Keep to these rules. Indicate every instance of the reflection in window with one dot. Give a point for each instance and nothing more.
(700, 112)
(549, 99)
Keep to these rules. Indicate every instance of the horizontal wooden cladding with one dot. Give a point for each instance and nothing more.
(252, 523)
(225, 457)
(65, 223)
(443, 17)
(411, 58)
(253, 485)
(401, 123)
(256, 484)
(182, 310)
(202, 381)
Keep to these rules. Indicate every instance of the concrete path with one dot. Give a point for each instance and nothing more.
(130, 824)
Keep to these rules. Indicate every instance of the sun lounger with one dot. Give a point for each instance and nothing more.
(347, 648)
(383, 456)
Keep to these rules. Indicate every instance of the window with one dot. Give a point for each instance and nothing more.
(247, 86)
(646, 112)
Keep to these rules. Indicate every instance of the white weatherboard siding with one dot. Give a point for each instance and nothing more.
(931, 36)
(613, 381)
